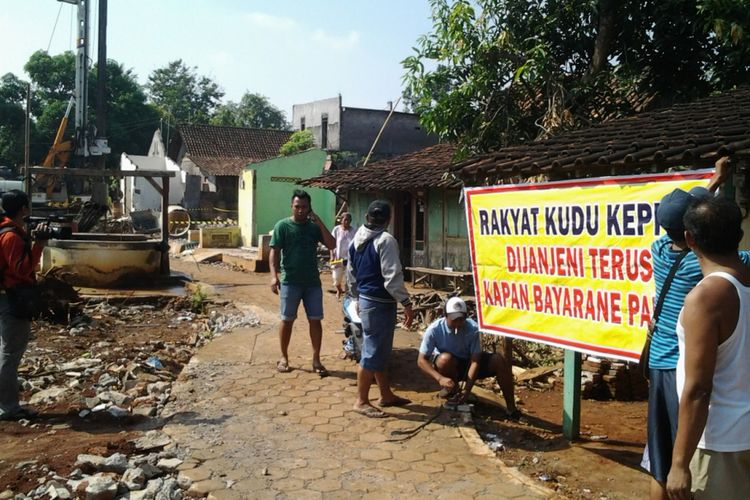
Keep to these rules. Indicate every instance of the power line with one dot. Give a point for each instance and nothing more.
(54, 27)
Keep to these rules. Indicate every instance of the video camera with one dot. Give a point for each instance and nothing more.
(57, 228)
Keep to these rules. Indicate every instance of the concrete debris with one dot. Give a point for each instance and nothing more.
(117, 412)
(134, 479)
(221, 323)
(100, 487)
(169, 464)
(47, 396)
(109, 379)
(152, 440)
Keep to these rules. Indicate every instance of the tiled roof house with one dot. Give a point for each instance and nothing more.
(692, 135)
(213, 157)
(424, 186)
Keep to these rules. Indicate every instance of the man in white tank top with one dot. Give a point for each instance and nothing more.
(711, 455)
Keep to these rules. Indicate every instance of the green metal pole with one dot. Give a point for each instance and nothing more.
(572, 395)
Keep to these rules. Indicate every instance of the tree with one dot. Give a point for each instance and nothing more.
(131, 121)
(181, 95)
(253, 111)
(12, 120)
(498, 72)
(301, 140)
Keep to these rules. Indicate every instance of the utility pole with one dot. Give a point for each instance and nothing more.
(27, 130)
(99, 189)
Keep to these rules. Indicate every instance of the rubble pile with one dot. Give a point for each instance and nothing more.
(151, 472)
(110, 367)
(111, 377)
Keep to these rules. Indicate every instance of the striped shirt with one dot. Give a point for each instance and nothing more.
(664, 347)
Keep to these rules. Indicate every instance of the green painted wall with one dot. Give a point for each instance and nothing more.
(447, 236)
(273, 186)
(448, 243)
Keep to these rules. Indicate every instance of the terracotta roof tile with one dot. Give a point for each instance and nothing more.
(691, 135)
(428, 167)
(223, 150)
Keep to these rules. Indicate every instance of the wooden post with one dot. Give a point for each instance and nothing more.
(165, 225)
(572, 395)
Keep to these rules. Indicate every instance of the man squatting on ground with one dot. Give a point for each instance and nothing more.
(343, 234)
(451, 352)
(294, 253)
(18, 259)
(713, 372)
(662, 399)
(376, 280)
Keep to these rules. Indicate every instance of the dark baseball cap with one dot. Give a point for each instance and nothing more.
(379, 212)
(674, 205)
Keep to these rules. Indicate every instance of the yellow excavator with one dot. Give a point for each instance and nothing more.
(58, 156)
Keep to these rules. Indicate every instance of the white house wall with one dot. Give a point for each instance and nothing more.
(139, 194)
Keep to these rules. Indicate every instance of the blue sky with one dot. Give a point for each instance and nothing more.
(290, 51)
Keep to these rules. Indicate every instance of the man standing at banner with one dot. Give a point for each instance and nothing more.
(711, 455)
(662, 401)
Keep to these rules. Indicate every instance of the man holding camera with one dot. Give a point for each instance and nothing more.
(18, 259)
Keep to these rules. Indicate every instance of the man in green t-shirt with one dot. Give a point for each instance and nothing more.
(294, 254)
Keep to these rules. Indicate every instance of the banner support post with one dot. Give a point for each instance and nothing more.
(572, 395)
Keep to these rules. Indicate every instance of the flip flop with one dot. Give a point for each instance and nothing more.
(369, 411)
(399, 401)
(321, 370)
(282, 366)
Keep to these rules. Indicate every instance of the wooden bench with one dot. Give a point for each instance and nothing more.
(459, 281)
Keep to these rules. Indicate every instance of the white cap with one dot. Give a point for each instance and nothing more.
(455, 308)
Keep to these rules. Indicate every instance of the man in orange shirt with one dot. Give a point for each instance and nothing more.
(18, 259)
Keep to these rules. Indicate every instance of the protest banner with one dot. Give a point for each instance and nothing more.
(569, 263)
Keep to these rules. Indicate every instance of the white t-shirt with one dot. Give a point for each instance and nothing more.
(343, 240)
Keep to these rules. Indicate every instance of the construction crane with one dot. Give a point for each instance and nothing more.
(57, 156)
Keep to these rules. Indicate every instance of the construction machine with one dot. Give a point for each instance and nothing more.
(58, 156)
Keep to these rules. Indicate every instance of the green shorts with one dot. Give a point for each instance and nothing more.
(720, 474)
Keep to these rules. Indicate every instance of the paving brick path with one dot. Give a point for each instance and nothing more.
(251, 432)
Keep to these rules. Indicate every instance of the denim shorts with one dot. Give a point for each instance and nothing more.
(311, 297)
(663, 407)
(378, 324)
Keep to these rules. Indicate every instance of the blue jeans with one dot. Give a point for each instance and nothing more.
(311, 297)
(378, 324)
(14, 337)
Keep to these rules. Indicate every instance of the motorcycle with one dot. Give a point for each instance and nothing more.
(352, 329)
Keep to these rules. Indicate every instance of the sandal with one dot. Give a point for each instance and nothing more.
(399, 401)
(320, 370)
(369, 411)
(282, 366)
